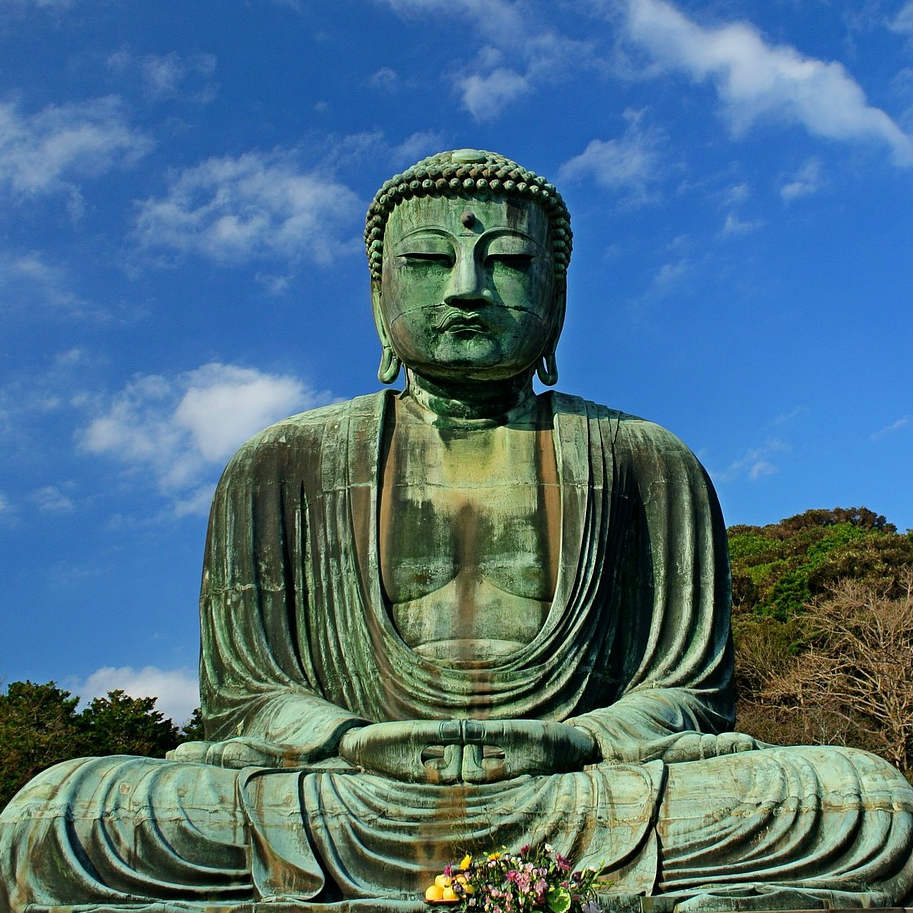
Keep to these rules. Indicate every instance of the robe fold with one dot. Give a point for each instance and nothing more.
(298, 646)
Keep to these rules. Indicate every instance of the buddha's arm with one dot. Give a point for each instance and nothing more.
(260, 699)
(679, 694)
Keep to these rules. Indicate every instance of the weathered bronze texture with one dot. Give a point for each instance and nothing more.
(457, 617)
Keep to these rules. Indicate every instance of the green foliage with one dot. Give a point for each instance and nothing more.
(120, 724)
(787, 579)
(777, 569)
(192, 730)
(39, 726)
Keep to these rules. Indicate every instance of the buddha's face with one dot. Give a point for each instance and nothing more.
(468, 287)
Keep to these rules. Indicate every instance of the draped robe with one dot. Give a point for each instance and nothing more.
(298, 646)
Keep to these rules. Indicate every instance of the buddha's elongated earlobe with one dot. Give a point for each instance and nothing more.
(547, 369)
(389, 365)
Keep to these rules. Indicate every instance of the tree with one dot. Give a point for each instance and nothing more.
(853, 684)
(39, 726)
(192, 730)
(120, 724)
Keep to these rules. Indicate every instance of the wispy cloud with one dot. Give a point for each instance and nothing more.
(519, 51)
(416, 146)
(734, 226)
(758, 81)
(53, 149)
(756, 463)
(49, 499)
(670, 273)
(177, 690)
(902, 21)
(254, 206)
(167, 75)
(48, 5)
(28, 278)
(898, 425)
(736, 194)
(807, 180)
(485, 97)
(182, 429)
(629, 164)
(386, 79)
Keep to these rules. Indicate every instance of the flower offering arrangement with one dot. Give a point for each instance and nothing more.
(531, 879)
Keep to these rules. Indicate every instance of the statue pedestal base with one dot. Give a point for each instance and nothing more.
(613, 904)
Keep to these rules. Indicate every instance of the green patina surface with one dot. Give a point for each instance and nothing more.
(459, 617)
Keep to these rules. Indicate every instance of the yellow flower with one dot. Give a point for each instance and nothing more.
(495, 855)
(466, 861)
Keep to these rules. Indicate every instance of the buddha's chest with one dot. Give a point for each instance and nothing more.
(469, 538)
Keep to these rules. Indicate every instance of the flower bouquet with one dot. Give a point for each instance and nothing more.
(532, 879)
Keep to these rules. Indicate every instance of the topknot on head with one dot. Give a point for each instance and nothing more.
(467, 173)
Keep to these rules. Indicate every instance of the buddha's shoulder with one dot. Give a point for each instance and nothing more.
(624, 429)
(306, 432)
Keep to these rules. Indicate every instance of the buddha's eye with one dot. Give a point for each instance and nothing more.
(426, 259)
(520, 262)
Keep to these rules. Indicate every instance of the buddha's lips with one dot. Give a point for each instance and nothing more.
(454, 320)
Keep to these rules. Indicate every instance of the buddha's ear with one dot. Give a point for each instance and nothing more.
(377, 309)
(560, 307)
(547, 366)
(390, 364)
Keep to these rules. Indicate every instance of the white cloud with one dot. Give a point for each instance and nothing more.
(628, 164)
(487, 87)
(416, 146)
(756, 463)
(183, 429)
(807, 180)
(386, 79)
(52, 5)
(899, 425)
(51, 500)
(485, 97)
(165, 75)
(48, 151)
(734, 226)
(253, 206)
(177, 690)
(756, 80)
(670, 273)
(6, 508)
(902, 21)
(28, 278)
(736, 194)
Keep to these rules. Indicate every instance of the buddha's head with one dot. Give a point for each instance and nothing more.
(468, 254)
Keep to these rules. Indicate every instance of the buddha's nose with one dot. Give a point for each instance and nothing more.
(469, 284)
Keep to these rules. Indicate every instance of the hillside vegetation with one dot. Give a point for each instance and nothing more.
(823, 629)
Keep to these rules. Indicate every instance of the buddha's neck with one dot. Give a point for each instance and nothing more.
(480, 404)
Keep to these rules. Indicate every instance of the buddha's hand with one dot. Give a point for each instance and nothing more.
(417, 751)
(500, 749)
(238, 752)
(698, 746)
(471, 751)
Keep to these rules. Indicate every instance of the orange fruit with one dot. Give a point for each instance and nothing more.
(442, 881)
(435, 892)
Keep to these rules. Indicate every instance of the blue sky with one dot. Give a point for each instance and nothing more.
(182, 191)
